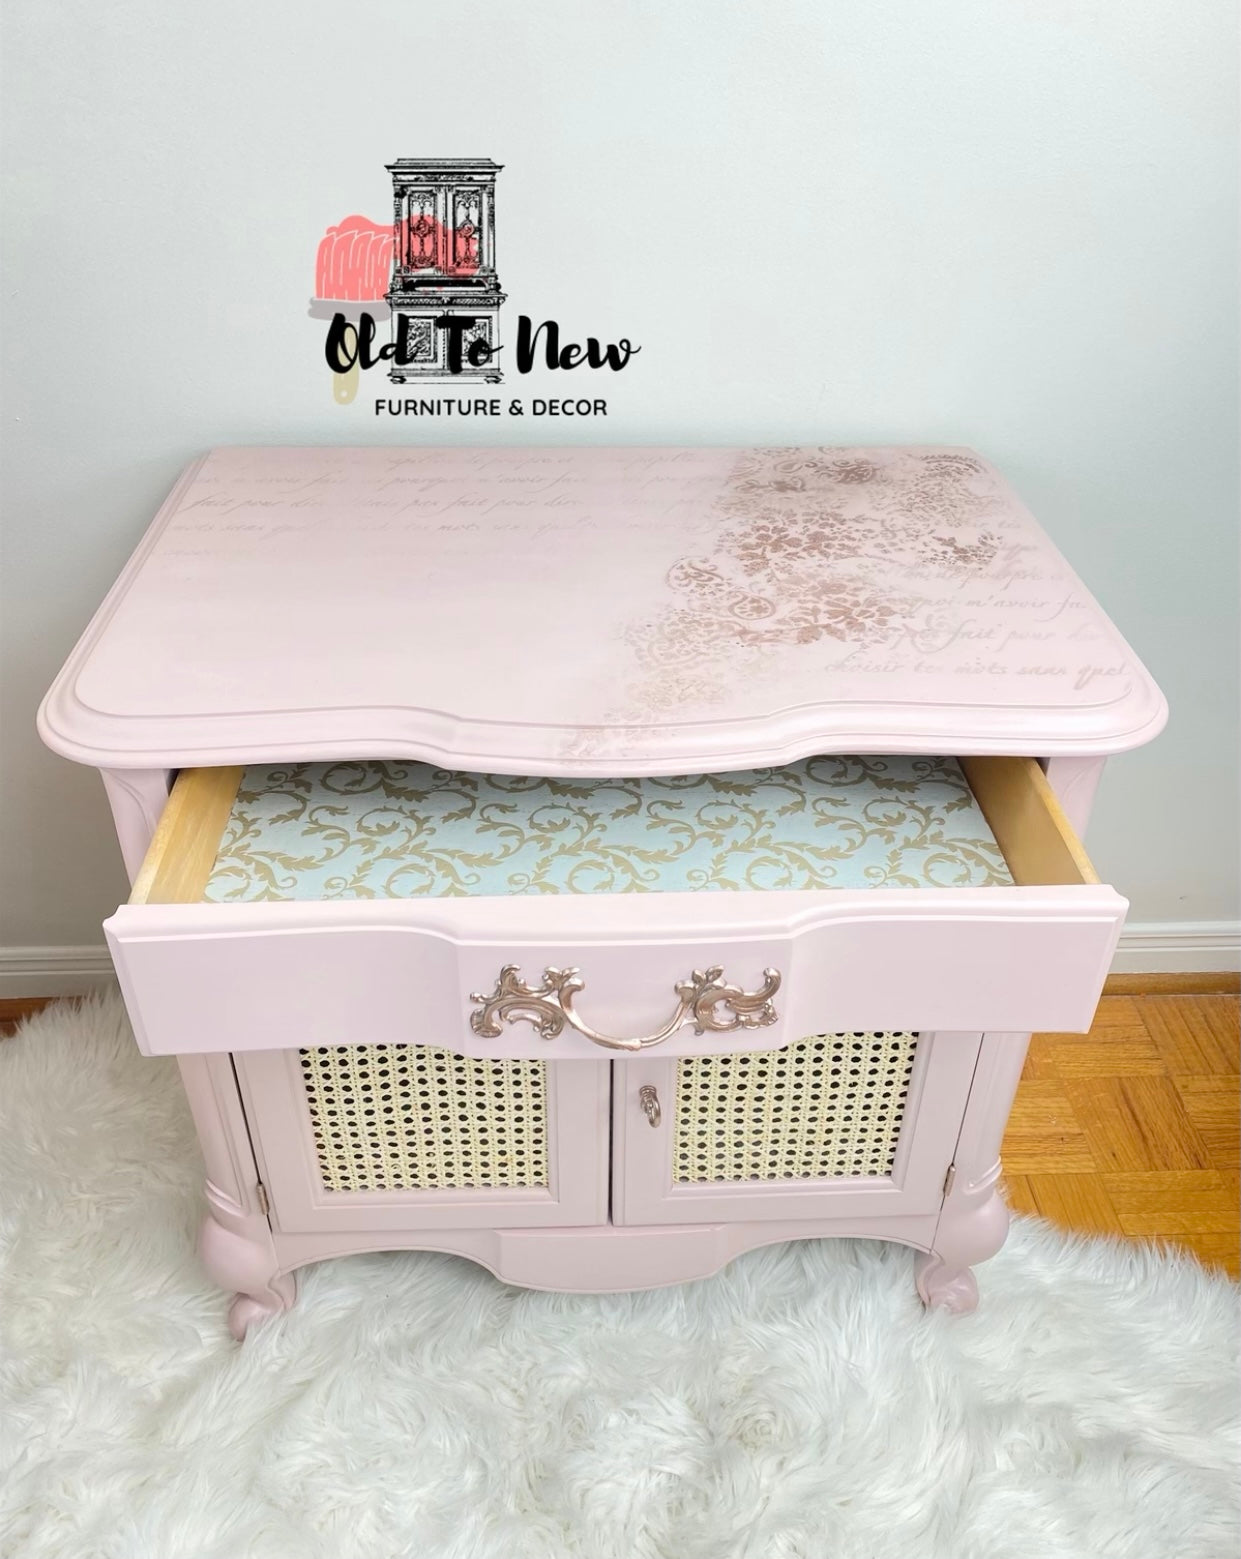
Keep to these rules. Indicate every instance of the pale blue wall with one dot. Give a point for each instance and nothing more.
(1008, 223)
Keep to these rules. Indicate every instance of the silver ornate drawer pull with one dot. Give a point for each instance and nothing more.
(648, 1099)
(706, 1000)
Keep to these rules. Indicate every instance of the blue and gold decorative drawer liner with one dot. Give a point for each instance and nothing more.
(406, 830)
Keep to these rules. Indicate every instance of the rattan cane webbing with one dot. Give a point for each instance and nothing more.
(829, 1105)
(417, 1118)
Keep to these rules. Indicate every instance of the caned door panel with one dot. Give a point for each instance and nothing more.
(848, 1124)
(382, 1136)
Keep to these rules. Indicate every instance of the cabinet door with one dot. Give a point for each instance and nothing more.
(849, 1125)
(356, 1137)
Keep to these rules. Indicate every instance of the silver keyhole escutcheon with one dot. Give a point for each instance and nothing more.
(649, 1100)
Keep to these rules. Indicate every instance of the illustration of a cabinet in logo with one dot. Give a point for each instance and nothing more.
(445, 295)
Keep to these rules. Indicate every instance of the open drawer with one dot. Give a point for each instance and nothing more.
(553, 972)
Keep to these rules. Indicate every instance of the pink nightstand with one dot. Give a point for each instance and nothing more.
(753, 1052)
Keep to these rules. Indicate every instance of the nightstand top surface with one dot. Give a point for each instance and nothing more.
(602, 611)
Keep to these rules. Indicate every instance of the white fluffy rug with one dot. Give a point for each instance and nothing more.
(799, 1404)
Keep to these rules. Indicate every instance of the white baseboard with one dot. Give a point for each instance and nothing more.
(1158, 947)
(1179, 947)
(54, 971)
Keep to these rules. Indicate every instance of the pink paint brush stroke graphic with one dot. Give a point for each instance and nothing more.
(354, 262)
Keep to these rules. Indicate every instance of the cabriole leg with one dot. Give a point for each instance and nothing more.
(971, 1228)
(973, 1222)
(939, 1288)
(236, 1243)
(238, 1254)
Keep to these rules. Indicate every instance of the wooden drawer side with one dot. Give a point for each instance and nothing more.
(1023, 812)
(186, 842)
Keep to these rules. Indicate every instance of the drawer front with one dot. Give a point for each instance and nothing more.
(580, 976)
(853, 1124)
(353, 1137)
(253, 977)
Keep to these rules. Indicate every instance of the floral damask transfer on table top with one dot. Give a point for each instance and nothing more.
(407, 830)
(820, 546)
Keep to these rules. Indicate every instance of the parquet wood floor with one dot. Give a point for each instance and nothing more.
(1132, 1129)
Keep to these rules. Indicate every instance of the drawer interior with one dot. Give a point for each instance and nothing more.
(356, 830)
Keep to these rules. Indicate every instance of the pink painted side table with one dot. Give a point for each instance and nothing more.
(587, 1087)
